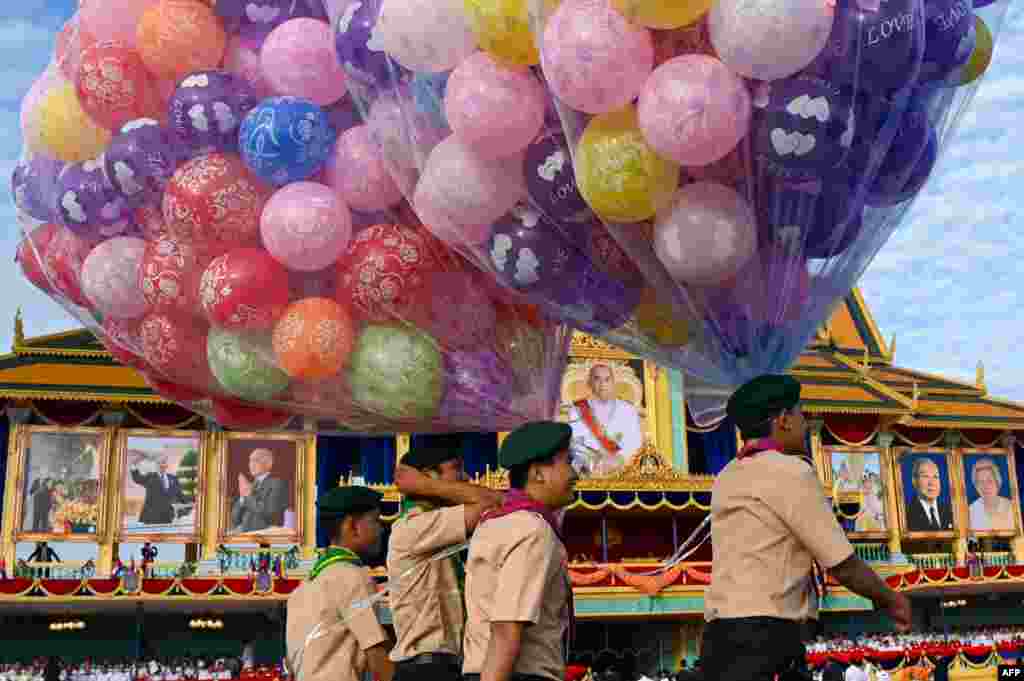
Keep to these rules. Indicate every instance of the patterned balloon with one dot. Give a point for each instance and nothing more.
(353, 29)
(320, 284)
(141, 160)
(981, 55)
(178, 37)
(423, 35)
(382, 273)
(71, 40)
(478, 386)
(242, 416)
(214, 200)
(123, 339)
(170, 275)
(810, 221)
(908, 162)
(242, 58)
(150, 221)
(286, 139)
(313, 339)
(256, 18)
(34, 186)
(114, 86)
(244, 290)
(62, 130)
(86, 199)
(244, 366)
(530, 253)
(298, 59)
(523, 348)
(551, 180)
(63, 261)
(404, 135)
(359, 174)
(176, 347)
(207, 109)
(31, 256)
(949, 38)
(182, 394)
(503, 29)
(110, 278)
(305, 226)
(663, 15)
(455, 310)
(397, 372)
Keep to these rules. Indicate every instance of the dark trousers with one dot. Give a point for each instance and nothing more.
(753, 649)
(433, 670)
(511, 677)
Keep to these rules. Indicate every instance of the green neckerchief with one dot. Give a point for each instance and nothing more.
(408, 506)
(332, 555)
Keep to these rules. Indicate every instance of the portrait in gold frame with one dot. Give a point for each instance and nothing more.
(64, 471)
(989, 472)
(290, 458)
(860, 476)
(182, 494)
(912, 517)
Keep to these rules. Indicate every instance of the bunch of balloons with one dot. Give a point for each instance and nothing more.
(197, 187)
(698, 181)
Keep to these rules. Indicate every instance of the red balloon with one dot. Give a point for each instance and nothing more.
(31, 255)
(174, 391)
(71, 41)
(170, 274)
(214, 200)
(176, 348)
(384, 271)
(124, 342)
(245, 289)
(320, 284)
(114, 86)
(63, 260)
(244, 416)
(150, 220)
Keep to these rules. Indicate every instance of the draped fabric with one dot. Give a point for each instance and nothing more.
(710, 451)
(851, 429)
(377, 459)
(478, 450)
(334, 458)
(66, 413)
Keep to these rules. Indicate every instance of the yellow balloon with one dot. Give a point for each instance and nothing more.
(502, 29)
(63, 130)
(618, 173)
(663, 13)
(981, 57)
(660, 323)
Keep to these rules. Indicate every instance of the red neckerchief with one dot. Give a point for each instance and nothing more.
(583, 407)
(517, 500)
(770, 444)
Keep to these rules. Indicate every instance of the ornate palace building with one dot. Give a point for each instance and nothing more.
(91, 453)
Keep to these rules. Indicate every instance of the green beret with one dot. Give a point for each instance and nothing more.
(762, 399)
(534, 442)
(342, 500)
(425, 457)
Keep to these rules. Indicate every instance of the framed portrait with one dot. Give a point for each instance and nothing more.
(991, 500)
(261, 488)
(609, 403)
(161, 478)
(859, 477)
(925, 483)
(61, 477)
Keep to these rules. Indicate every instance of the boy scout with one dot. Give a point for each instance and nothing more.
(329, 637)
(439, 511)
(770, 521)
(518, 595)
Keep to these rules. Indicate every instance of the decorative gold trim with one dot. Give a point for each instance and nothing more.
(869, 319)
(663, 420)
(962, 506)
(118, 473)
(19, 330)
(857, 497)
(211, 519)
(898, 454)
(585, 345)
(303, 441)
(84, 396)
(7, 547)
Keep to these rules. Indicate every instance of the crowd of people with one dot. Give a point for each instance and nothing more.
(891, 642)
(179, 669)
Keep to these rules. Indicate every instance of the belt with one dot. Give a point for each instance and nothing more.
(433, 658)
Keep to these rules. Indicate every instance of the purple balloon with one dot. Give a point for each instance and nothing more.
(257, 18)
(949, 40)
(908, 162)
(530, 254)
(476, 383)
(353, 29)
(816, 221)
(34, 185)
(207, 109)
(804, 127)
(594, 301)
(86, 200)
(551, 180)
(141, 160)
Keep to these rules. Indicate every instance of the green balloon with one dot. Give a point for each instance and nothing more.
(397, 371)
(244, 367)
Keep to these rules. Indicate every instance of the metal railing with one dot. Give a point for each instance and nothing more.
(232, 560)
(872, 553)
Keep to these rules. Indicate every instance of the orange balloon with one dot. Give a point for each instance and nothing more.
(314, 338)
(178, 37)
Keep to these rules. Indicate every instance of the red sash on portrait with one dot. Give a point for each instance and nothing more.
(583, 407)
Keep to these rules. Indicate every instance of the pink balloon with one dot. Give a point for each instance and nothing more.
(593, 58)
(110, 278)
(242, 57)
(494, 109)
(460, 194)
(298, 59)
(115, 20)
(358, 173)
(305, 226)
(707, 235)
(694, 110)
(404, 135)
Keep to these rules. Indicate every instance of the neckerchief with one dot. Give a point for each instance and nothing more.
(410, 507)
(517, 500)
(332, 555)
(587, 414)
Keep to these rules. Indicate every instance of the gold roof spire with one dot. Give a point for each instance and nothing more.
(19, 331)
(979, 377)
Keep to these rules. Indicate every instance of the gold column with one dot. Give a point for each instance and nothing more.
(817, 455)
(16, 432)
(402, 441)
(212, 438)
(112, 419)
(960, 543)
(663, 415)
(889, 462)
(308, 548)
(1017, 543)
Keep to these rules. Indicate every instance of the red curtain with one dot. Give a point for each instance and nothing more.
(852, 429)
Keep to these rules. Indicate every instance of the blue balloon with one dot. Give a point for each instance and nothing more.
(428, 91)
(286, 139)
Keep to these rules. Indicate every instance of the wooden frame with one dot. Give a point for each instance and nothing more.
(305, 448)
(967, 483)
(120, 469)
(18, 478)
(848, 496)
(951, 483)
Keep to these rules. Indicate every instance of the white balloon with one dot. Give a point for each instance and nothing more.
(423, 35)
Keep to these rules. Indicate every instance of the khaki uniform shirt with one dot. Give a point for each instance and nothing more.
(518, 572)
(769, 519)
(338, 654)
(426, 605)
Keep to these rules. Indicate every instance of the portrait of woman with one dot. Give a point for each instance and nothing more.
(991, 509)
(872, 515)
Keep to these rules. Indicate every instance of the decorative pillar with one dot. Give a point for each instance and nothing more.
(308, 548)
(212, 437)
(663, 416)
(402, 441)
(952, 438)
(817, 455)
(1017, 543)
(18, 418)
(889, 462)
(113, 419)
